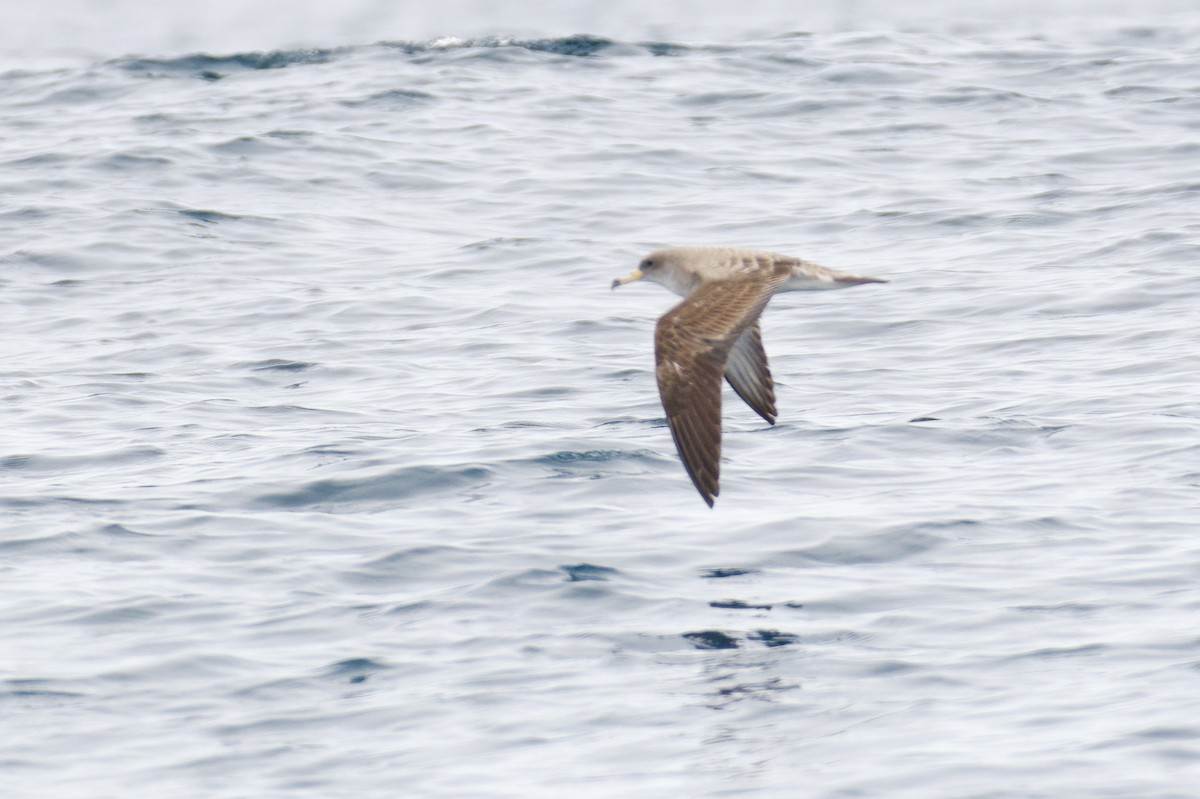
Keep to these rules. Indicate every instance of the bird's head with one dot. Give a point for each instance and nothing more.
(652, 268)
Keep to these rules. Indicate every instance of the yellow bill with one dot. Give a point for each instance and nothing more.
(636, 274)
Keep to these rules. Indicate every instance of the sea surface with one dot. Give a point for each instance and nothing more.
(331, 467)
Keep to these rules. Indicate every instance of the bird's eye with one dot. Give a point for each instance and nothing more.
(646, 264)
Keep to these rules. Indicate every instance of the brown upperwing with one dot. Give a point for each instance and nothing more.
(691, 344)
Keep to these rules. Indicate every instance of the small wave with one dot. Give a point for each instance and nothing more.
(593, 464)
(392, 98)
(578, 45)
(728, 571)
(585, 572)
(27, 689)
(210, 67)
(773, 638)
(279, 365)
(122, 162)
(592, 456)
(354, 670)
(41, 462)
(206, 217)
(712, 639)
(215, 67)
(737, 604)
(385, 489)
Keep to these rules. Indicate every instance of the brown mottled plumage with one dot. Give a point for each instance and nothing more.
(715, 332)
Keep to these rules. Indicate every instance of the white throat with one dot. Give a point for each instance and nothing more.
(674, 279)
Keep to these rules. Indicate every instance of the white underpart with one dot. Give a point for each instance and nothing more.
(673, 281)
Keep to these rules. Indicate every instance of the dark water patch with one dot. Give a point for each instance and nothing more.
(1169, 733)
(27, 215)
(1062, 609)
(128, 162)
(981, 96)
(39, 161)
(246, 146)
(721, 573)
(96, 544)
(212, 68)
(953, 220)
(665, 48)
(54, 541)
(541, 392)
(278, 365)
(790, 62)
(1034, 179)
(354, 670)
(1143, 93)
(593, 456)
(773, 638)
(81, 95)
(888, 667)
(892, 129)
(27, 503)
(733, 693)
(121, 531)
(203, 216)
(713, 99)
(284, 409)
(579, 46)
(290, 134)
(584, 572)
(28, 689)
(521, 425)
(1039, 219)
(1059, 652)
(401, 609)
(712, 639)
(594, 464)
(736, 604)
(157, 119)
(871, 75)
(1184, 189)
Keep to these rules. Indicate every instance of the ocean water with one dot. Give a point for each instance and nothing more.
(331, 466)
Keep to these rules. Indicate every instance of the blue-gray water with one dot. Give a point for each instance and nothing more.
(331, 467)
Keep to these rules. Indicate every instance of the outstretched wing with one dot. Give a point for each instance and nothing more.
(691, 344)
(746, 370)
